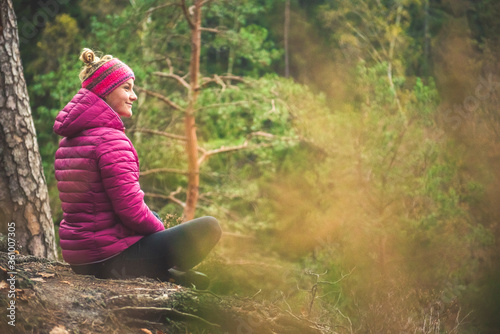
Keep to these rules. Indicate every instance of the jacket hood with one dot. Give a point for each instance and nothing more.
(85, 111)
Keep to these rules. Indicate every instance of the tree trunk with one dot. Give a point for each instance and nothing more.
(24, 202)
(286, 33)
(426, 37)
(189, 120)
(232, 50)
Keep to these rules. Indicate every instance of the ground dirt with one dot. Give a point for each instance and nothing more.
(50, 298)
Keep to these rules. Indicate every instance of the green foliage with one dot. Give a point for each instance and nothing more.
(255, 113)
(383, 197)
(375, 31)
(241, 110)
(59, 40)
(243, 43)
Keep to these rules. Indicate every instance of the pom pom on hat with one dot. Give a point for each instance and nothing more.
(102, 76)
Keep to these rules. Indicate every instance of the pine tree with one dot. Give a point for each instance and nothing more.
(24, 202)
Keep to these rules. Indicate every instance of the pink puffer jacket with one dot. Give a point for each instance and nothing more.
(97, 172)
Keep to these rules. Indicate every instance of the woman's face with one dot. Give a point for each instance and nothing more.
(121, 99)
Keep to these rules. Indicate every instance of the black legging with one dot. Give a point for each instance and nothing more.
(182, 246)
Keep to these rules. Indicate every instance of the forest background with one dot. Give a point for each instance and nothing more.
(358, 180)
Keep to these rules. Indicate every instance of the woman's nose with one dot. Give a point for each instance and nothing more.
(133, 97)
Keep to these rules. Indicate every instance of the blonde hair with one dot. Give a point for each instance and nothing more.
(92, 63)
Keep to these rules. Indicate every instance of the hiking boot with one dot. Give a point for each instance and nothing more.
(189, 278)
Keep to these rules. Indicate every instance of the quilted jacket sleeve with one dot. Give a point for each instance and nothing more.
(119, 167)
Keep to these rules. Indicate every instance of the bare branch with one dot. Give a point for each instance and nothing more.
(178, 78)
(160, 133)
(219, 79)
(163, 170)
(271, 136)
(341, 278)
(300, 319)
(217, 105)
(232, 77)
(458, 321)
(170, 197)
(152, 9)
(214, 30)
(206, 81)
(202, 150)
(142, 312)
(186, 14)
(170, 67)
(374, 53)
(389, 67)
(223, 149)
(262, 134)
(160, 97)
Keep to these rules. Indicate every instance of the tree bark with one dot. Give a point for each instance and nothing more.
(189, 120)
(427, 40)
(286, 33)
(24, 198)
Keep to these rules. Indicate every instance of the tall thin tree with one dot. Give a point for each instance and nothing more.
(189, 118)
(286, 33)
(196, 155)
(24, 202)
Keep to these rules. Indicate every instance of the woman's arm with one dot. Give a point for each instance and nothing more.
(119, 168)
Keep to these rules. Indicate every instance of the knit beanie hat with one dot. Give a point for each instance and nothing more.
(102, 75)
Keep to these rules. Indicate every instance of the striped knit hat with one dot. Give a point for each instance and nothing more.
(102, 76)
